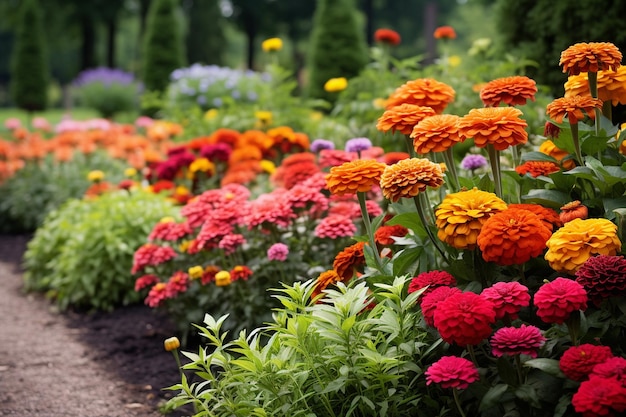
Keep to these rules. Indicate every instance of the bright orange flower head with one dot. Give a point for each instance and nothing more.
(611, 85)
(444, 32)
(574, 108)
(460, 216)
(548, 216)
(578, 240)
(408, 177)
(349, 260)
(355, 176)
(388, 36)
(549, 148)
(436, 133)
(403, 118)
(512, 237)
(508, 90)
(573, 210)
(501, 127)
(423, 92)
(590, 57)
(537, 168)
(324, 280)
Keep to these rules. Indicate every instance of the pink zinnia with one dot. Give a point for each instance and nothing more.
(432, 280)
(611, 368)
(157, 294)
(350, 209)
(600, 397)
(179, 282)
(230, 242)
(278, 252)
(510, 341)
(308, 199)
(508, 298)
(169, 231)
(577, 362)
(465, 318)
(334, 227)
(556, 300)
(211, 233)
(272, 209)
(430, 301)
(151, 255)
(334, 157)
(452, 372)
(603, 276)
(145, 281)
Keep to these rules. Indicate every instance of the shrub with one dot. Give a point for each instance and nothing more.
(83, 251)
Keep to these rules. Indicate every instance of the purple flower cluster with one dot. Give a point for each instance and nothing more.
(319, 145)
(104, 75)
(358, 145)
(473, 161)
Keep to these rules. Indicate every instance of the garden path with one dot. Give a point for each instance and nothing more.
(76, 364)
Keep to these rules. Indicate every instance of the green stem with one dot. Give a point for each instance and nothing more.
(448, 157)
(457, 401)
(409, 145)
(470, 350)
(426, 224)
(368, 230)
(593, 89)
(494, 161)
(576, 141)
(518, 365)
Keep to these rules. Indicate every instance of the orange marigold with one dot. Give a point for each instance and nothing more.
(548, 216)
(436, 133)
(408, 177)
(444, 32)
(403, 118)
(499, 126)
(574, 107)
(537, 168)
(423, 92)
(460, 216)
(571, 245)
(349, 260)
(611, 86)
(508, 90)
(388, 36)
(549, 148)
(512, 237)
(355, 176)
(325, 279)
(590, 57)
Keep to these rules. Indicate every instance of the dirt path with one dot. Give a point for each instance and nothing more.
(58, 365)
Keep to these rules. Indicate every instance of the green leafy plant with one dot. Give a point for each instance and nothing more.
(82, 253)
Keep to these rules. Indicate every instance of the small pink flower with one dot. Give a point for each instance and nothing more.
(334, 227)
(513, 341)
(452, 372)
(507, 297)
(41, 123)
(556, 300)
(231, 242)
(278, 252)
(12, 123)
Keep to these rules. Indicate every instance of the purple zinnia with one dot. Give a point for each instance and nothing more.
(473, 161)
(358, 145)
(278, 252)
(319, 145)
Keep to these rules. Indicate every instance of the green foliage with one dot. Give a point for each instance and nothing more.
(83, 252)
(337, 46)
(334, 358)
(205, 42)
(163, 48)
(107, 90)
(43, 186)
(29, 74)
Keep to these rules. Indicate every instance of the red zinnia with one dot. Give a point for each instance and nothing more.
(432, 280)
(577, 362)
(240, 272)
(452, 372)
(384, 234)
(603, 276)
(510, 341)
(176, 284)
(432, 299)
(444, 32)
(537, 168)
(388, 36)
(611, 368)
(145, 281)
(507, 298)
(157, 294)
(600, 397)
(464, 318)
(556, 300)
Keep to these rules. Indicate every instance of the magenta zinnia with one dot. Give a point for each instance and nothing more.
(507, 298)
(465, 318)
(511, 341)
(556, 300)
(452, 372)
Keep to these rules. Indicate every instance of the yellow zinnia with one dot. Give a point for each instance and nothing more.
(95, 176)
(578, 240)
(334, 85)
(461, 216)
(195, 272)
(222, 278)
(272, 45)
(201, 165)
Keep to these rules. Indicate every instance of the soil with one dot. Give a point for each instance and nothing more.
(78, 364)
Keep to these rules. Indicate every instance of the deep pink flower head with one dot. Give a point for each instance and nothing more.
(603, 276)
(157, 294)
(432, 280)
(556, 300)
(151, 255)
(178, 282)
(145, 281)
(465, 318)
(600, 397)
(430, 301)
(334, 227)
(511, 341)
(452, 372)
(278, 252)
(611, 368)
(169, 231)
(577, 362)
(230, 242)
(507, 298)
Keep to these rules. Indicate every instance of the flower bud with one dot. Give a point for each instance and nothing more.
(171, 344)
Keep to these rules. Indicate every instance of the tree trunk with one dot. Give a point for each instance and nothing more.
(368, 9)
(87, 53)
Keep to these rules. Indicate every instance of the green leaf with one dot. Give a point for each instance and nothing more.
(528, 394)
(405, 261)
(550, 366)
(492, 397)
(537, 156)
(506, 370)
(547, 198)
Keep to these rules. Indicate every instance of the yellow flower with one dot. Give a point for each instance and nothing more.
(461, 216)
(184, 245)
(454, 61)
(222, 278)
(167, 219)
(571, 245)
(171, 344)
(202, 165)
(195, 272)
(263, 118)
(130, 172)
(210, 114)
(95, 176)
(268, 166)
(334, 85)
(272, 45)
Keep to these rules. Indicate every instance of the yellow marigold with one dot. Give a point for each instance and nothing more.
(268, 166)
(222, 278)
(334, 85)
(460, 216)
(574, 107)
(95, 176)
(263, 118)
(590, 57)
(130, 172)
(272, 44)
(195, 272)
(549, 148)
(355, 176)
(201, 165)
(611, 86)
(436, 133)
(408, 177)
(501, 127)
(578, 240)
(423, 92)
(403, 118)
(508, 90)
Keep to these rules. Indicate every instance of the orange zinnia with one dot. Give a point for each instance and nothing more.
(408, 177)
(573, 210)
(509, 90)
(537, 168)
(348, 260)
(388, 36)
(512, 237)
(325, 279)
(444, 32)
(574, 107)
(548, 216)
(611, 86)
(403, 118)
(590, 57)
(436, 133)
(423, 92)
(355, 176)
(499, 126)
(549, 148)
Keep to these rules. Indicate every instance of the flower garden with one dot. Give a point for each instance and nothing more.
(431, 245)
